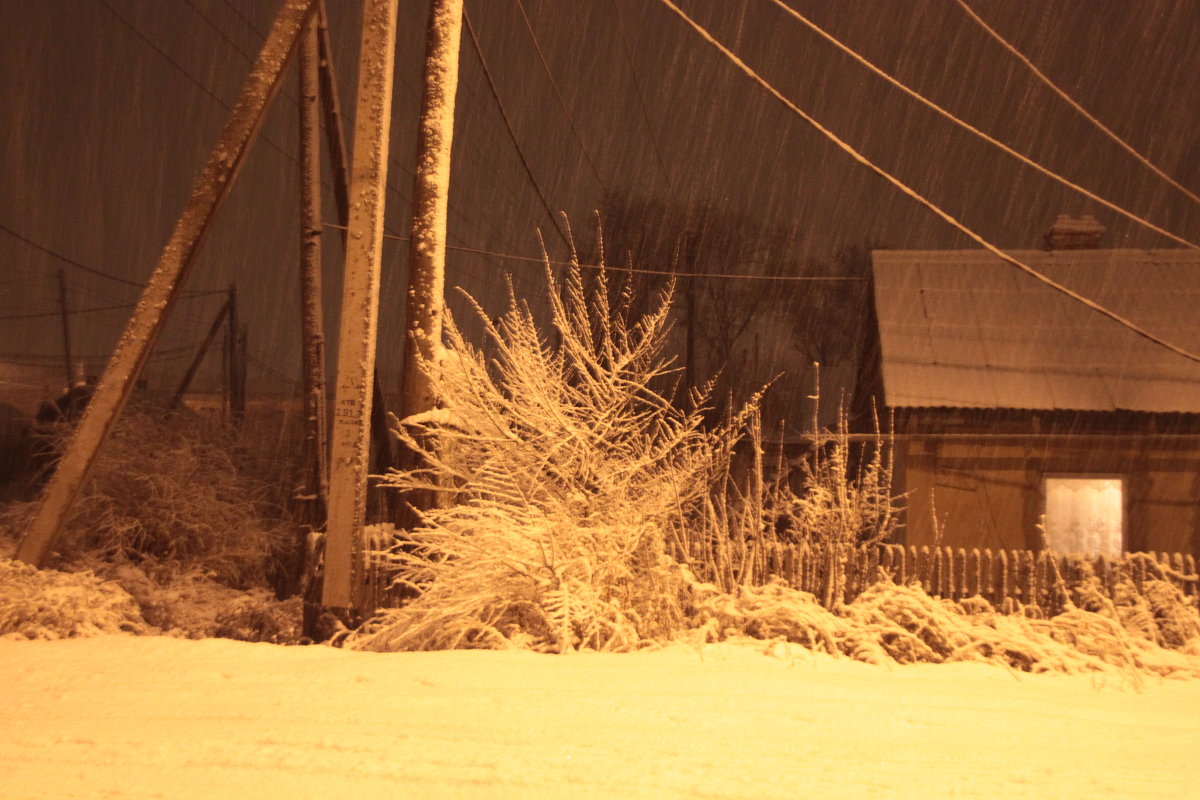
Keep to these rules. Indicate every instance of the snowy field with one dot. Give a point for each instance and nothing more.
(154, 717)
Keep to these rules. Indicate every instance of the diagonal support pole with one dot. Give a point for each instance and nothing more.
(342, 584)
(160, 294)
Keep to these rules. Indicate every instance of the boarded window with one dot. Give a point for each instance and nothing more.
(1085, 514)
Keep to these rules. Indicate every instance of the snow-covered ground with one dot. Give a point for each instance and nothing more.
(150, 717)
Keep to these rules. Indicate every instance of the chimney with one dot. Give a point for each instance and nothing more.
(1074, 233)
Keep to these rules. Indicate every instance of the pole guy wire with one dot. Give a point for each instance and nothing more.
(971, 128)
(906, 189)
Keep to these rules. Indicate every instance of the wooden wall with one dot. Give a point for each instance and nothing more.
(988, 492)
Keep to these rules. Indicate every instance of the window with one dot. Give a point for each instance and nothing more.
(1085, 514)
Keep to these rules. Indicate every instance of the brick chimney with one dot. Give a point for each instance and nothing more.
(1074, 233)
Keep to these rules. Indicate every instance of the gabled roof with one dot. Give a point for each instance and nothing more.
(962, 328)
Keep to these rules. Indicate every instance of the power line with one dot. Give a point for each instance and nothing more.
(508, 125)
(92, 310)
(558, 95)
(72, 262)
(969, 127)
(202, 86)
(219, 31)
(859, 157)
(69, 261)
(633, 270)
(1071, 102)
(616, 4)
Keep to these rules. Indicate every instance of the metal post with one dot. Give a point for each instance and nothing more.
(66, 326)
(315, 487)
(195, 365)
(427, 251)
(360, 307)
(176, 261)
(231, 328)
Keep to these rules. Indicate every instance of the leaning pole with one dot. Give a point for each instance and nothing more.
(342, 585)
(136, 343)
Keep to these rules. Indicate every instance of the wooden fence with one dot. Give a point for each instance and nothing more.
(1039, 582)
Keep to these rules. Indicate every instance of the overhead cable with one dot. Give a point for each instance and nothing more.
(1071, 102)
(92, 270)
(616, 4)
(989, 139)
(633, 270)
(558, 95)
(906, 189)
(487, 72)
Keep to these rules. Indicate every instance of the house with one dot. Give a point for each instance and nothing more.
(1023, 417)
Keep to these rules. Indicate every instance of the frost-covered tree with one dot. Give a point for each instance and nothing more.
(568, 483)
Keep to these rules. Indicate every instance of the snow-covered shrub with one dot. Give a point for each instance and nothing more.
(48, 604)
(167, 491)
(889, 623)
(191, 604)
(568, 486)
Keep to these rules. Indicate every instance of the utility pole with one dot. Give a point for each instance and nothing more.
(174, 264)
(380, 460)
(431, 191)
(310, 505)
(342, 587)
(66, 326)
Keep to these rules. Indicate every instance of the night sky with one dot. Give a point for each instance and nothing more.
(110, 107)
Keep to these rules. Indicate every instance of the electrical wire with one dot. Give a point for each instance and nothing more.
(903, 187)
(200, 84)
(508, 125)
(637, 87)
(633, 270)
(971, 128)
(1071, 102)
(93, 270)
(558, 95)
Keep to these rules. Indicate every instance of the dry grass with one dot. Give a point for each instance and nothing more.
(48, 604)
(175, 519)
(888, 623)
(169, 491)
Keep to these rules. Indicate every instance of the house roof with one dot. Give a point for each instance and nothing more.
(962, 328)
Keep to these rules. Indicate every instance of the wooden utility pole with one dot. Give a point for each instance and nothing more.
(431, 192)
(66, 326)
(342, 583)
(310, 504)
(335, 138)
(160, 294)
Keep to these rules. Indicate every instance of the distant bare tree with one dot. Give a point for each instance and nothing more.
(744, 331)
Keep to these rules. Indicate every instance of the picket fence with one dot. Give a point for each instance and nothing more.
(1038, 582)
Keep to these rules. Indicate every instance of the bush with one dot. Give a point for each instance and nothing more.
(169, 492)
(48, 604)
(568, 486)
